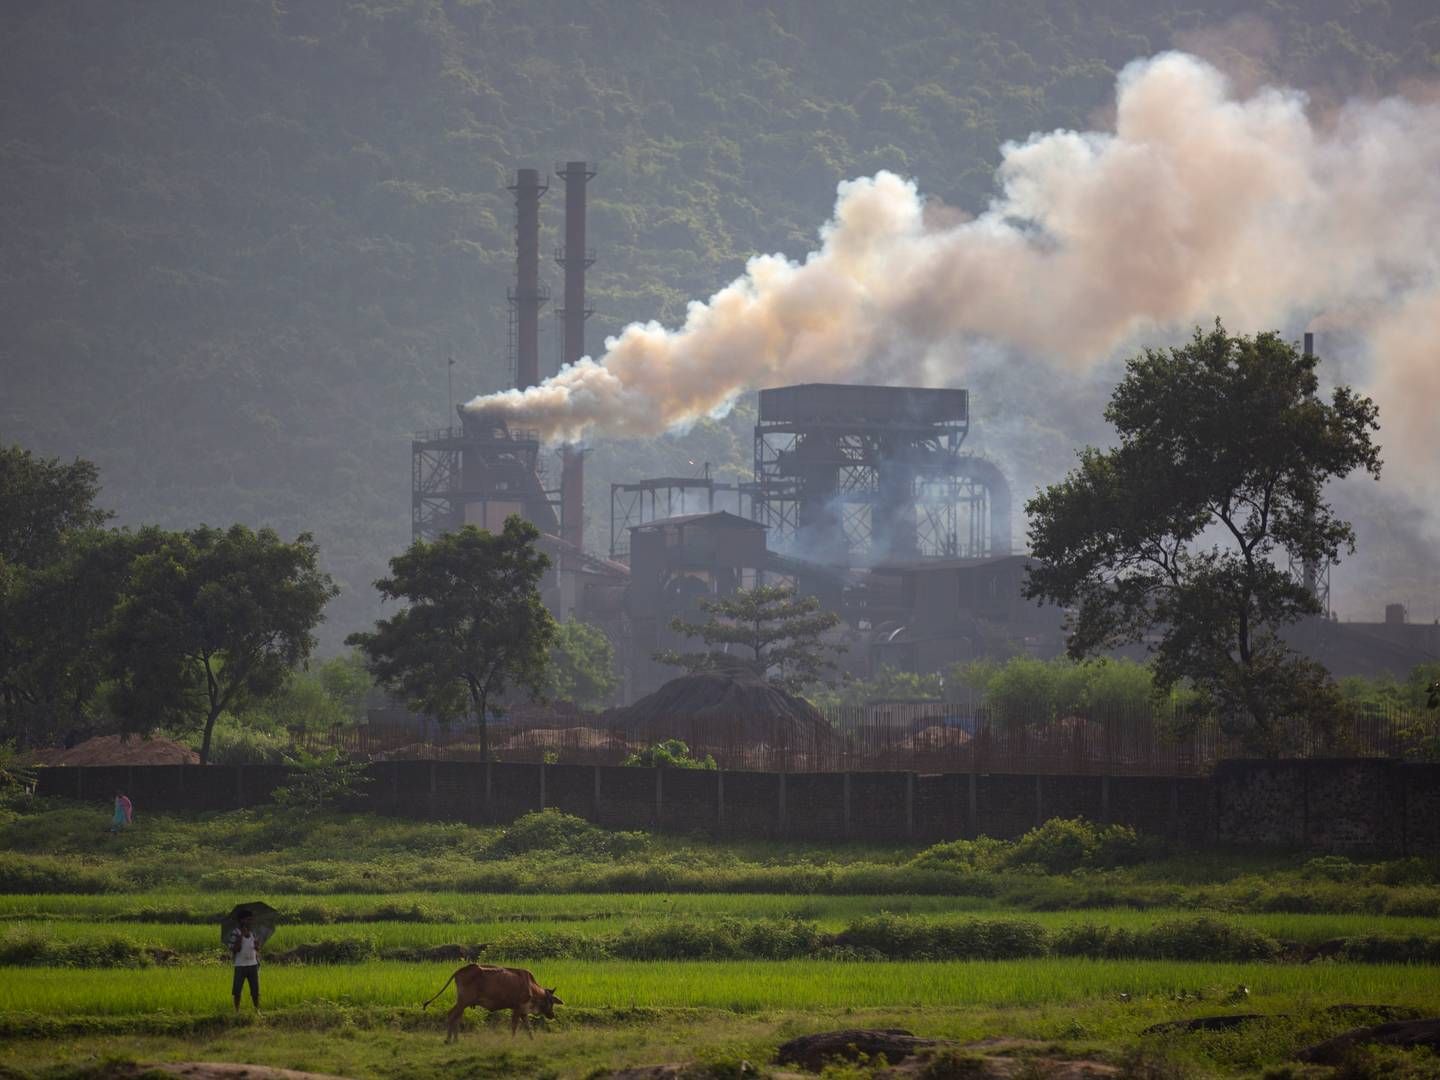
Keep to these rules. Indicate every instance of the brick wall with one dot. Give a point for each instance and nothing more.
(1325, 805)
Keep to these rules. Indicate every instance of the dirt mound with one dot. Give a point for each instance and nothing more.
(571, 738)
(117, 750)
(1408, 1034)
(716, 708)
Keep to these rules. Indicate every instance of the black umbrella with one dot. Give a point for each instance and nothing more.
(263, 918)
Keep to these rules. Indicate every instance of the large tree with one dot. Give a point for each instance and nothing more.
(776, 633)
(1185, 528)
(210, 619)
(58, 575)
(474, 625)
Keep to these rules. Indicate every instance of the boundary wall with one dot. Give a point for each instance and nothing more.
(1328, 805)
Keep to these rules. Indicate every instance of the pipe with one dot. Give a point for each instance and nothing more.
(997, 489)
(527, 295)
(575, 260)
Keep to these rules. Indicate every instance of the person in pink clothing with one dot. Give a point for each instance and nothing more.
(124, 812)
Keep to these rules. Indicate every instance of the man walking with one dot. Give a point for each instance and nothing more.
(245, 948)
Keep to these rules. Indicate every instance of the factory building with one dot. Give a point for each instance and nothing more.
(862, 496)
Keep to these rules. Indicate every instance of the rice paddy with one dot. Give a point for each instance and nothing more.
(144, 973)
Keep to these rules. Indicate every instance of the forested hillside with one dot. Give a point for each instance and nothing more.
(239, 238)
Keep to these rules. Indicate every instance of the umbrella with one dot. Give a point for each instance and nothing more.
(262, 921)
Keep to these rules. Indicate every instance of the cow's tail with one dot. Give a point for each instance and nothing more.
(443, 988)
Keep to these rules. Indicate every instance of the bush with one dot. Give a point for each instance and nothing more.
(1391, 949)
(20, 948)
(1062, 845)
(558, 833)
(1180, 939)
(969, 856)
(1330, 868)
(898, 938)
(670, 754)
(320, 781)
(43, 874)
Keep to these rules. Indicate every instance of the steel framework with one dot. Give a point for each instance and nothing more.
(474, 465)
(851, 474)
(653, 498)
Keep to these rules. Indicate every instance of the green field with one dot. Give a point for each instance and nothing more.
(1083, 957)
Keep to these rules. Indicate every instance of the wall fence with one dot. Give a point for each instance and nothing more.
(1355, 805)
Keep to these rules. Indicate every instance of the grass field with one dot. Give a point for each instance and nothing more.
(591, 986)
(75, 896)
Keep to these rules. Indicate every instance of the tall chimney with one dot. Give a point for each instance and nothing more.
(575, 258)
(527, 296)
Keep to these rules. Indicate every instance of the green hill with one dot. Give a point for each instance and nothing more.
(238, 239)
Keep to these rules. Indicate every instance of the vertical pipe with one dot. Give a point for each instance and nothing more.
(575, 260)
(527, 296)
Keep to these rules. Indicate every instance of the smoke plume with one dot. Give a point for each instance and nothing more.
(1199, 203)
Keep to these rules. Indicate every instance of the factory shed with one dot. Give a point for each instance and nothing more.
(930, 613)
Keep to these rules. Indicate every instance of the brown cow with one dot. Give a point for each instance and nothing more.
(496, 988)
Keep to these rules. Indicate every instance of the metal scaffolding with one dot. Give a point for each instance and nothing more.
(851, 474)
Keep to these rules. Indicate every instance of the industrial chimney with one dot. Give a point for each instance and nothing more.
(527, 296)
(575, 259)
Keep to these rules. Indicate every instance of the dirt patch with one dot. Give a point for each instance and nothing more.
(215, 1070)
(909, 1056)
(116, 750)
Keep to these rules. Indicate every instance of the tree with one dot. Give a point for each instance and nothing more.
(1183, 528)
(209, 620)
(41, 501)
(582, 665)
(54, 621)
(58, 577)
(475, 624)
(777, 635)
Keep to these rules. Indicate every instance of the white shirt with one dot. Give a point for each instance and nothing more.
(246, 956)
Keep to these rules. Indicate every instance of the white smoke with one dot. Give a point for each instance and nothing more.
(1199, 203)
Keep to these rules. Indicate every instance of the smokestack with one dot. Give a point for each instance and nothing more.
(575, 258)
(527, 296)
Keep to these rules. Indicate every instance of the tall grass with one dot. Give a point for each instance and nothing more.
(739, 986)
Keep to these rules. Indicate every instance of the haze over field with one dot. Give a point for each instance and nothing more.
(239, 242)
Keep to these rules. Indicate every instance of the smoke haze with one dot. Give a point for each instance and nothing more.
(1199, 203)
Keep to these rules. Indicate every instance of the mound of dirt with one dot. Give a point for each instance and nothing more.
(716, 708)
(118, 750)
(212, 1070)
(1409, 1034)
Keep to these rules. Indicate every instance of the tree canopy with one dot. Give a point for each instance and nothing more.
(474, 625)
(775, 633)
(209, 619)
(59, 575)
(582, 665)
(1184, 529)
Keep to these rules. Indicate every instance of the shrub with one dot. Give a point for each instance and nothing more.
(982, 853)
(900, 938)
(558, 833)
(320, 781)
(1062, 845)
(1330, 868)
(670, 754)
(1391, 949)
(20, 948)
(42, 874)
